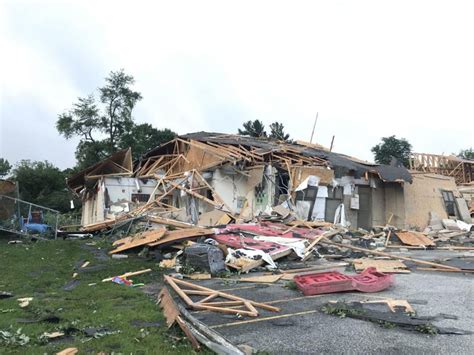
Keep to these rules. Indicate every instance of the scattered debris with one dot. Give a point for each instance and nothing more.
(24, 302)
(4, 294)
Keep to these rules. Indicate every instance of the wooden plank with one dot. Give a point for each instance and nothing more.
(68, 351)
(128, 274)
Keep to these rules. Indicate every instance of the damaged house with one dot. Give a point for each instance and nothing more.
(212, 178)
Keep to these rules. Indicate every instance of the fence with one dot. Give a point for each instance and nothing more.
(22, 217)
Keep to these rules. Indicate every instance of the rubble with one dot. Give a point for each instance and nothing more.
(211, 206)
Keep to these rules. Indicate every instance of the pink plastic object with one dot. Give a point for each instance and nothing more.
(370, 280)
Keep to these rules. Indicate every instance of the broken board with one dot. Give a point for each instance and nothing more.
(414, 238)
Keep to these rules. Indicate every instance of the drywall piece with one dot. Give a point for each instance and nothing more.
(463, 210)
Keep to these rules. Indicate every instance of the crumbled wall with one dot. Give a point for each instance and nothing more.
(119, 189)
(424, 195)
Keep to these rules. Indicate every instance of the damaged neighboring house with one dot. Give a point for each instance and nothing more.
(108, 188)
(211, 178)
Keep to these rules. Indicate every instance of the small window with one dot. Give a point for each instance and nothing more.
(449, 203)
(136, 198)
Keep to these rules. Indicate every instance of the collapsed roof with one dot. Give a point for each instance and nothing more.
(118, 164)
(204, 151)
(300, 151)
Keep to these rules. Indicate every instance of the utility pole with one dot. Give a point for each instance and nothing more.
(314, 126)
(332, 142)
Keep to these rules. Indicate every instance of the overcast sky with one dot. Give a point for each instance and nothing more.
(370, 68)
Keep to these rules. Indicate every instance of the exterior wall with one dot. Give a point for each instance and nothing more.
(424, 196)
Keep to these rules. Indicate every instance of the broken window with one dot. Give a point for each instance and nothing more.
(449, 202)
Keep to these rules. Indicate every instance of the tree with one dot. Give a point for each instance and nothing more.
(89, 122)
(277, 132)
(466, 154)
(253, 129)
(42, 183)
(4, 167)
(392, 147)
(144, 137)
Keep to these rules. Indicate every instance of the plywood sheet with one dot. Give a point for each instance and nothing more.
(141, 239)
(386, 266)
(414, 238)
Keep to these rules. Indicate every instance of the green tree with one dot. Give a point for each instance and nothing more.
(466, 154)
(277, 131)
(90, 123)
(4, 167)
(392, 147)
(144, 137)
(253, 129)
(42, 183)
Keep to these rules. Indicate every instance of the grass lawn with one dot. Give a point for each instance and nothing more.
(41, 270)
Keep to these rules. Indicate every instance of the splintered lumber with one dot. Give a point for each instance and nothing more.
(192, 289)
(207, 336)
(414, 238)
(172, 316)
(170, 222)
(385, 266)
(128, 274)
(381, 253)
(388, 237)
(179, 235)
(195, 194)
(310, 224)
(141, 239)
